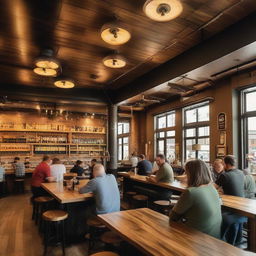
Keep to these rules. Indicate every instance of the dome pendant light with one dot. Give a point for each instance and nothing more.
(162, 10)
(46, 64)
(114, 61)
(63, 82)
(115, 34)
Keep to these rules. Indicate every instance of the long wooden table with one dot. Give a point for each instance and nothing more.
(151, 233)
(242, 206)
(63, 195)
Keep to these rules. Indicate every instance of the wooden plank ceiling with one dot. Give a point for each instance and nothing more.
(72, 29)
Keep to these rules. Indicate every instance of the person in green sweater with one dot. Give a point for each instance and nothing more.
(199, 206)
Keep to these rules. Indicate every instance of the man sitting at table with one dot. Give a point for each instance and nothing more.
(41, 174)
(232, 183)
(165, 172)
(144, 166)
(105, 190)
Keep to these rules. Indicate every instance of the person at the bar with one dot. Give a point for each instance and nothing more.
(27, 162)
(93, 162)
(19, 168)
(249, 185)
(232, 183)
(42, 173)
(57, 169)
(78, 168)
(164, 173)
(105, 190)
(218, 169)
(144, 166)
(134, 160)
(199, 206)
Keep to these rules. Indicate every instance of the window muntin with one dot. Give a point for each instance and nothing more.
(197, 131)
(165, 134)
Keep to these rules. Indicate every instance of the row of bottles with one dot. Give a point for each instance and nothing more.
(50, 149)
(81, 140)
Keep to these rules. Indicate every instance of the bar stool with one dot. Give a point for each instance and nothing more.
(111, 240)
(95, 227)
(162, 206)
(129, 196)
(19, 186)
(140, 201)
(105, 253)
(40, 204)
(56, 217)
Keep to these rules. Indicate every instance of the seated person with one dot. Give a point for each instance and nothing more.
(78, 168)
(218, 169)
(2, 172)
(57, 169)
(26, 162)
(41, 174)
(134, 160)
(249, 185)
(19, 168)
(177, 168)
(232, 183)
(165, 172)
(93, 162)
(144, 166)
(199, 206)
(105, 190)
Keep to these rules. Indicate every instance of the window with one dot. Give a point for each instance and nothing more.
(248, 97)
(123, 132)
(165, 135)
(197, 132)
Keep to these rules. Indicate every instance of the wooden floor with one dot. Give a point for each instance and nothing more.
(19, 235)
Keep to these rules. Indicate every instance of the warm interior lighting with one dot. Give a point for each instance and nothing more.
(162, 10)
(64, 83)
(115, 34)
(196, 147)
(114, 61)
(47, 63)
(45, 71)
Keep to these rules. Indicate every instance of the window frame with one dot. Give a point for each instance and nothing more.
(122, 136)
(196, 125)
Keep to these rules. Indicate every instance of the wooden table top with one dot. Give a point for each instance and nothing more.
(63, 195)
(240, 205)
(151, 233)
(11, 171)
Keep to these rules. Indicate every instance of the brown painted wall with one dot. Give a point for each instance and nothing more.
(221, 93)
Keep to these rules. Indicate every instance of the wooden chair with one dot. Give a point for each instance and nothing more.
(56, 218)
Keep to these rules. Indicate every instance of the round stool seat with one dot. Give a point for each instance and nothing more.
(19, 180)
(173, 202)
(140, 198)
(55, 215)
(105, 254)
(43, 199)
(131, 193)
(110, 237)
(95, 222)
(162, 202)
(177, 197)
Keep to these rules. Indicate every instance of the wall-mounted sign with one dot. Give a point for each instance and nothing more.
(222, 121)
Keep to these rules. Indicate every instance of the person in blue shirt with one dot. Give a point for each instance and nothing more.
(144, 166)
(78, 168)
(105, 190)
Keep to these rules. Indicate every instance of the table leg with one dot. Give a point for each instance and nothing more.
(252, 234)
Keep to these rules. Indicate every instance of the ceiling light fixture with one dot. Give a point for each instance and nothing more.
(63, 82)
(115, 33)
(162, 10)
(114, 61)
(46, 64)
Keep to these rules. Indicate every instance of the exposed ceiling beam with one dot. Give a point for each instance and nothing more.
(234, 37)
(19, 92)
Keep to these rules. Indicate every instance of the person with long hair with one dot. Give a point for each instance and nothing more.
(199, 206)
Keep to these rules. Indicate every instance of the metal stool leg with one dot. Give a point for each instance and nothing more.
(63, 237)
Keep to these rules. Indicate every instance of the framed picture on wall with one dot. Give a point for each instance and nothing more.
(222, 119)
(221, 150)
(222, 138)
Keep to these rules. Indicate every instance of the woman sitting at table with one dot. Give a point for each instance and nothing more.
(199, 206)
